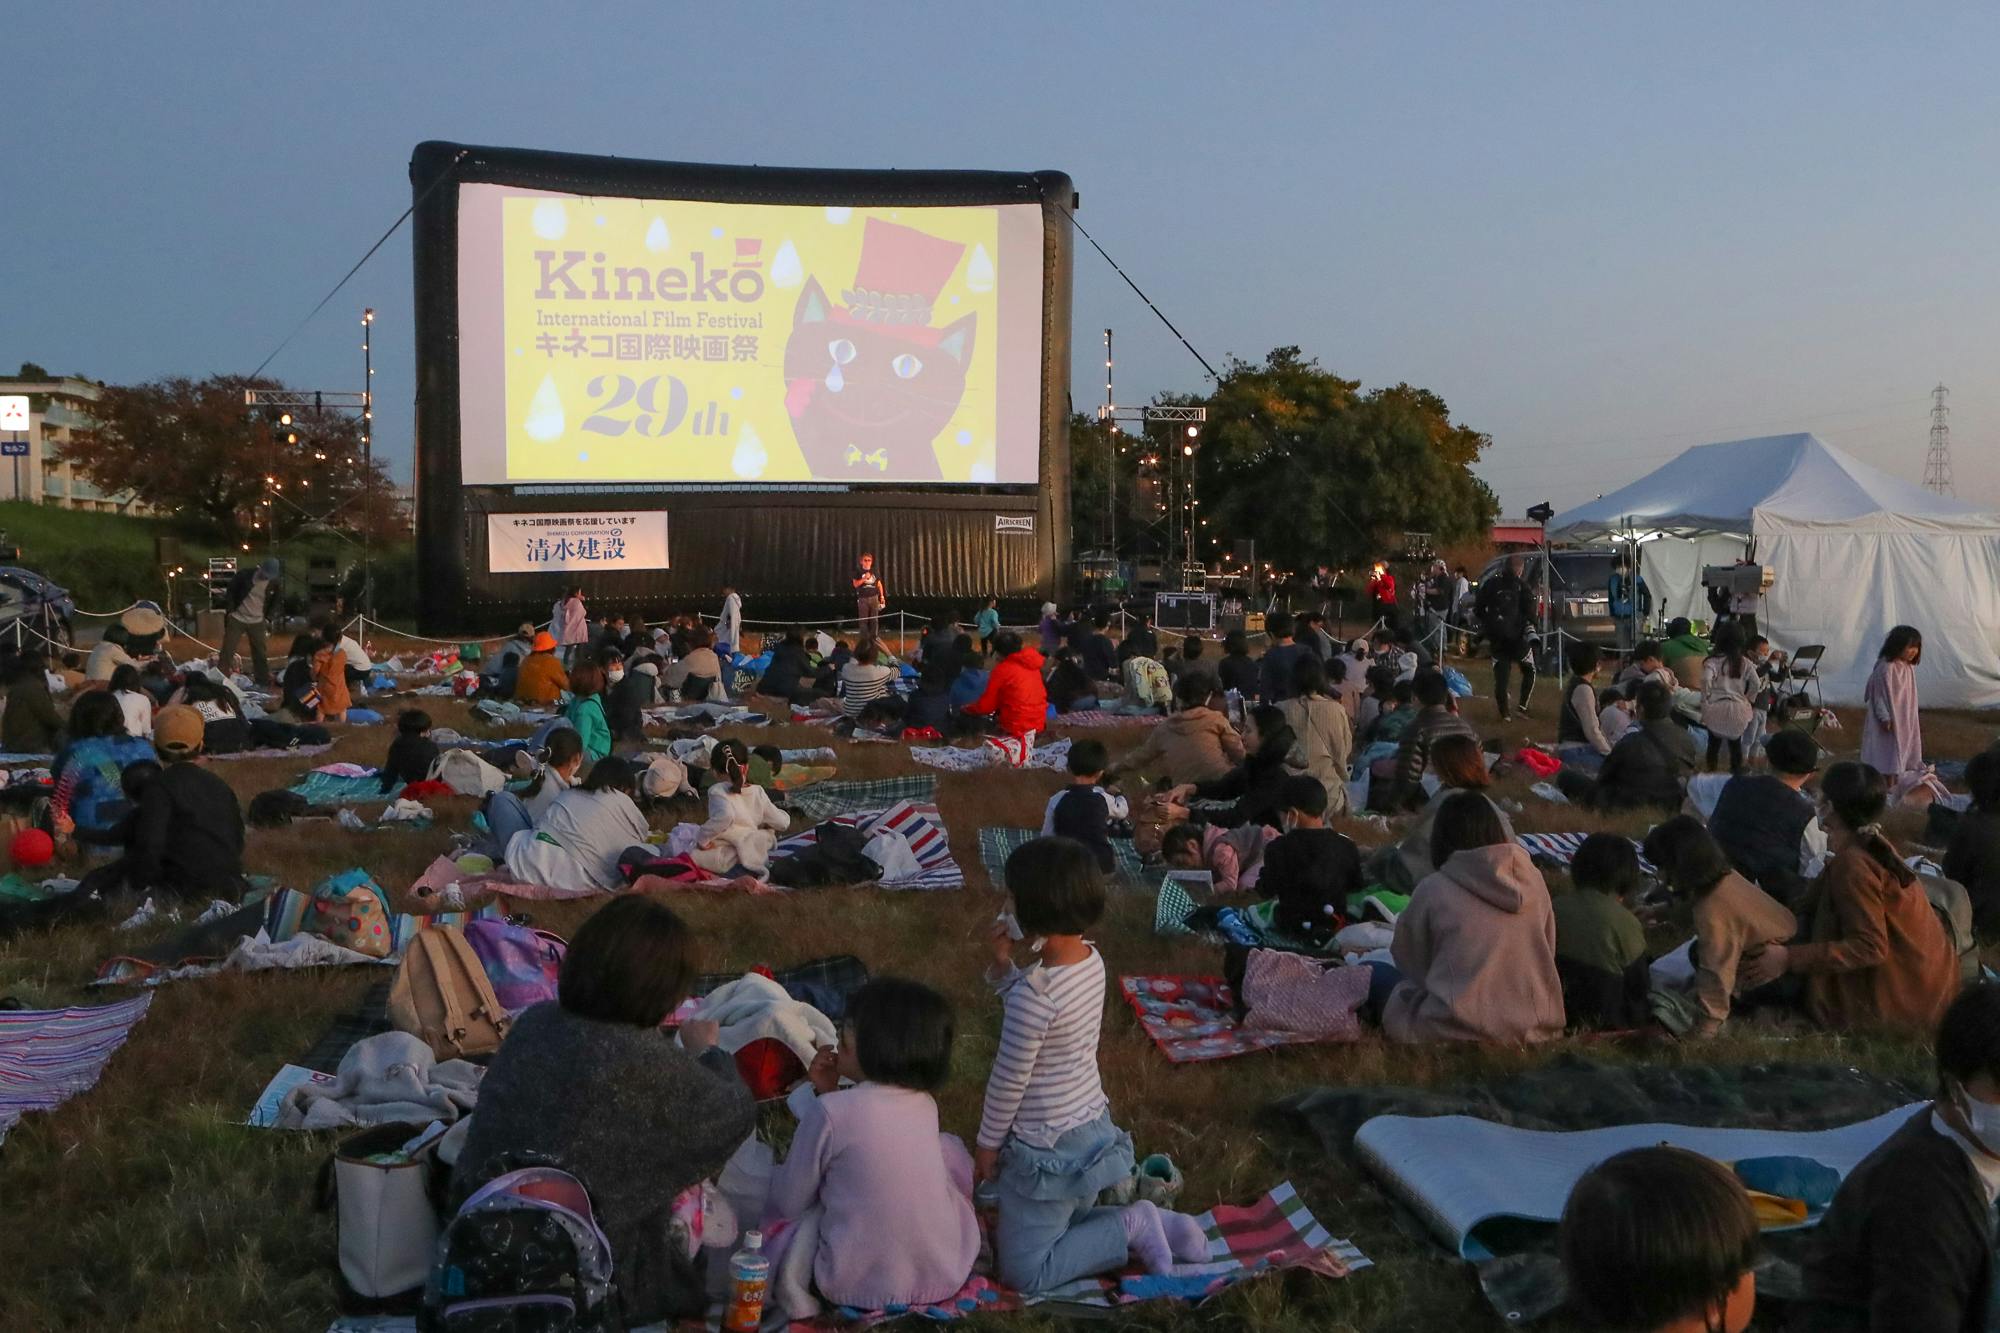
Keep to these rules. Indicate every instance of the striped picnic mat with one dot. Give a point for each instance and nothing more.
(997, 844)
(48, 1056)
(824, 800)
(1562, 847)
(918, 822)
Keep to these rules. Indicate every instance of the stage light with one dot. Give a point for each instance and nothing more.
(1188, 450)
(1193, 431)
(285, 419)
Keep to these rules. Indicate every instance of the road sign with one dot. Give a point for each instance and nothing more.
(13, 448)
(14, 411)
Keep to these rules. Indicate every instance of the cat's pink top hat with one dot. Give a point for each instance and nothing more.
(901, 274)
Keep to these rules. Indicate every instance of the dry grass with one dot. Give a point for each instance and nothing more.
(144, 1201)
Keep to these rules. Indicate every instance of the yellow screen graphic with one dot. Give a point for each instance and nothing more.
(670, 340)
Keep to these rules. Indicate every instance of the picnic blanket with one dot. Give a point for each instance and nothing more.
(1270, 1235)
(1561, 848)
(47, 1056)
(918, 822)
(324, 786)
(1190, 1019)
(13, 757)
(997, 844)
(824, 800)
(1100, 717)
(275, 752)
(989, 754)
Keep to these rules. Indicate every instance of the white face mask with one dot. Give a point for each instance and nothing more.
(1983, 1119)
(617, 676)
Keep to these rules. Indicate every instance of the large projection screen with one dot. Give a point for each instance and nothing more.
(793, 364)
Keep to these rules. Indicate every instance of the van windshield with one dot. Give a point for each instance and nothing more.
(1581, 573)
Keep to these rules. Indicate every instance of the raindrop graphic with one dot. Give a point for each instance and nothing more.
(520, 351)
(979, 270)
(656, 235)
(716, 232)
(545, 413)
(786, 271)
(551, 219)
(750, 459)
(838, 216)
(982, 471)
(965, 437)
(737, 393)
(835, 381)
(601, 220)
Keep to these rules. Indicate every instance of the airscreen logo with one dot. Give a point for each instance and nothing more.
(1013, 522)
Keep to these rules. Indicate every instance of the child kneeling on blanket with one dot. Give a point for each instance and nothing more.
(883, 1198)
(743, 826)
(1046, 1134)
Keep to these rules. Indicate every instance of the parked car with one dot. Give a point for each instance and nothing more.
(32, 605)
(1579, 594)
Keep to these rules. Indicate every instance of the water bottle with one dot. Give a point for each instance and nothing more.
(749, 1279)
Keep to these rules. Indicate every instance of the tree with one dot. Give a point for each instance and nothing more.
(1316, 470)
(31, 371)
(194, 448)
(1097, 455)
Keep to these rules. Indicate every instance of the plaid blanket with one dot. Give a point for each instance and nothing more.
(919, 822)
(47, 1056)
(997, 844)
(367, 1019)
(322, 789)
(1190, 1019)
(824, 800)
(1561, 848)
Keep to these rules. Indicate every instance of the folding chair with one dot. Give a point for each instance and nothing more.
(1800, 695)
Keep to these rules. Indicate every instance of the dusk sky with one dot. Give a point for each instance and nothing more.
(1601, 232)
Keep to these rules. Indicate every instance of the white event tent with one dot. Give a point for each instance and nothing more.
(1853, 552)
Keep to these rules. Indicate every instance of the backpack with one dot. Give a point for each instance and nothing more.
(1953, 906)
(466, 773)
(275, 809)
(521, 964)
(523, 1254)
(351, 910)
(441, 993)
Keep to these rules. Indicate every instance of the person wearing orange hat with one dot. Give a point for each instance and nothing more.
(186, 835)
(541, 679)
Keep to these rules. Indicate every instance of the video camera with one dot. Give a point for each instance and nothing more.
(1737, 580)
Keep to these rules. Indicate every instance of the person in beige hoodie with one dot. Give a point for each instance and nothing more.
(1476, 947)
(1325, 742)
(1196, 744)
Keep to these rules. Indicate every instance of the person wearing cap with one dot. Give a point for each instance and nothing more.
(541, 678)
(186, 836)
(141, 625)
(250, 607)
(1767, 826)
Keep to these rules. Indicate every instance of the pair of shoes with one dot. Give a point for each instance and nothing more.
(1159, 1180)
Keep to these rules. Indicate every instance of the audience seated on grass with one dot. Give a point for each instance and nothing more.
(789, 675)
(1147, 688)
(1435, 719)
(1767, 825)
(1094, 649)
(329, 669)
(1257, 783)
(1614, 713)
(1015, 697)
(1646, 664)
(1973, 858)
(742, 826)
(1323, 738)
(1233, 858)
(1237, 670)
(1071, 689)
(413, 754)
(1908, 1241)
(89, 806)
(541, 680)
(1196, 745)
(1874, 953)
(970, 682)
(633, 688)
(298, 688)
(1460, 765)
(1476, 947)
(1600, 945)
(1734, 920)
(891, 1195)
(585, 710)
(1046, 1134)
(1661, 1240)
(865, 680)
(1648, 769)
(1274, 670)
(698, 672)
(30, 724)
(1309, 870)
(929, 705)
(185, 837)
(1578, 731)
(576, 844)
(593, 1084)
(1684, 653)
(133, 700)
(1084, 809)
(1194, 663)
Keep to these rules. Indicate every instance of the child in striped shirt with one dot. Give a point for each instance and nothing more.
(1046, 1134)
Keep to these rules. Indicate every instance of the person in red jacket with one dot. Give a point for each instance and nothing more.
(1382, 594)
(1016, 696)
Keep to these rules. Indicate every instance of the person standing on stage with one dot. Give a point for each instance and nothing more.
(871, 596)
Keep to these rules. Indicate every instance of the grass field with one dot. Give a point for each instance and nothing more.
(146, 1203)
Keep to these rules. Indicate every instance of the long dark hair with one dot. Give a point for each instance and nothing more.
(1275, 737)
(1901, 639)
(1858, 795)
(731, 759)
(1729, 644)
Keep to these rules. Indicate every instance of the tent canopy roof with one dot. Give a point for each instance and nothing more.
(1716, 488)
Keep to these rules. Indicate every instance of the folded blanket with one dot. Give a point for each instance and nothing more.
(48, 1056)
(388, 1077)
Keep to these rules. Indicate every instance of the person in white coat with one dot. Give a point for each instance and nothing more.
(577, 842)
(729, 627)
(743, 826)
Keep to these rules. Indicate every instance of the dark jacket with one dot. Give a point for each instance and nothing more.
(1068, 683)
(1237, 672)
(1139, 643)
(239, 588)
(187, 835)
(1759, 823)
(625, 704)
(1906, 1245)
(1274, 673)
(1973, 860)
(634, 1116)
(1648, 767)
(1098, 655)
(1505, 608)
(1080, 813)
(789, 672)
(31, 724)
(410, 760)
(1256, 786)
(1311, 872)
